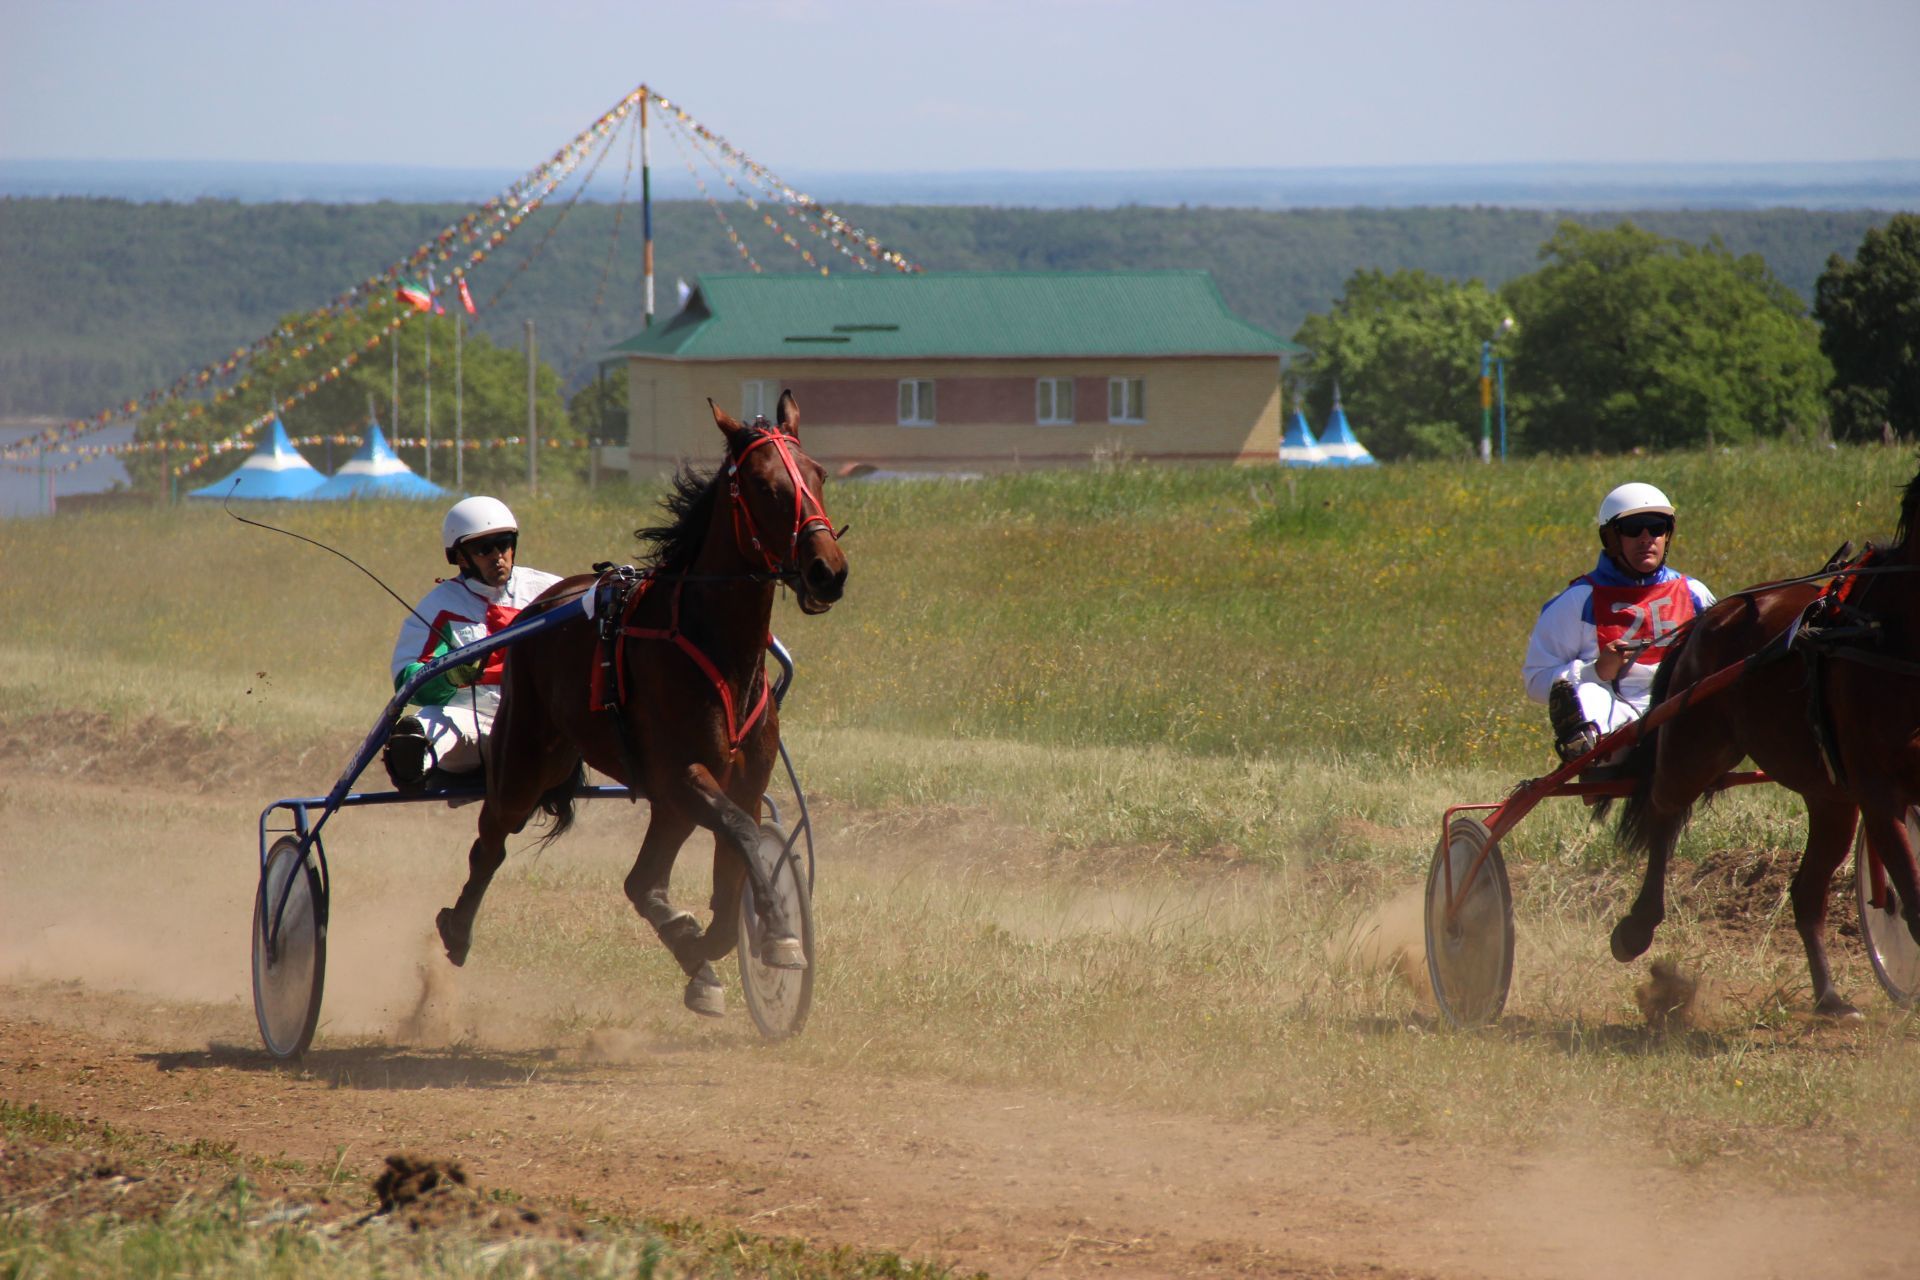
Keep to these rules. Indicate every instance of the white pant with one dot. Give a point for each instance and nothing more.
(1600, 704)
(454, 731)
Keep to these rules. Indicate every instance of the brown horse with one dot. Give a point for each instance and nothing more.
(1867, 690)
(695, 731)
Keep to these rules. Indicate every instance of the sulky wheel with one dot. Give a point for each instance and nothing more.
(288, 974)
(1470, 944)
(778, 999)
(1895, 955)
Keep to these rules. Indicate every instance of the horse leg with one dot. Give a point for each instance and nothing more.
(1886, 827)
(646, 889)
(1830, 826)
(729, 873)
(734, 827)
(455, 923)
(511, 800)
(1634, 932)
(1691, 755)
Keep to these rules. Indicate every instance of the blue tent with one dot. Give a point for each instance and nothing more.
(1298, 448)
(1338, 443)
(374, 471)
(275, 470)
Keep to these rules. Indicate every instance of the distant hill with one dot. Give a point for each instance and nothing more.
(101, 300)
(1890, 185)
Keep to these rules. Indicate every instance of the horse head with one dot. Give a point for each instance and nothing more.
(779, 520)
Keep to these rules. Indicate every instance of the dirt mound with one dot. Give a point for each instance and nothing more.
(426, 1194)
(74, 1172)
(1744, 891)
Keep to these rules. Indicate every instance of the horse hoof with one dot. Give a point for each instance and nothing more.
(705, 996)
(1832, 1006)
(782, 953)
(1630, 940)
(456, 940)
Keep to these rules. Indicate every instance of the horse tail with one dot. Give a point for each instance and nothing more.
(1632, 827)
(557, 803)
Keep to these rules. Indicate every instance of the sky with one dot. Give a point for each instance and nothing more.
(938, 86)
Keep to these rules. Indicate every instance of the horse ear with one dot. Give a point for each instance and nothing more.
(787, 416)
(728, 425)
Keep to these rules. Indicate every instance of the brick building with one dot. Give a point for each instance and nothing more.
(974, 371)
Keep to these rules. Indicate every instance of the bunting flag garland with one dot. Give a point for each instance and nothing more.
(461, 247)
(487, 226)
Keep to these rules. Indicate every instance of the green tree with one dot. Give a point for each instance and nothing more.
(1628, 339)
(1869, 313)
(491, 402)
(600, 407)
(1404, 348)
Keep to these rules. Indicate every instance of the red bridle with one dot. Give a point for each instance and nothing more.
(746, 530)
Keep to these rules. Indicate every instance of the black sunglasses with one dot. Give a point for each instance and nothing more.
(487, 546)
(1634, 526)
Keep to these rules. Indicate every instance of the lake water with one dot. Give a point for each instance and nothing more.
(28, 490)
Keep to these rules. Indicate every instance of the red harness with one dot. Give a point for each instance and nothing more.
(745, 531)
(743, 522)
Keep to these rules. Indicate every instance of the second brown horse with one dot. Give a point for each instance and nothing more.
(1867, 690)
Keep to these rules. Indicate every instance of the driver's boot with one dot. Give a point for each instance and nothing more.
(1573, 734)
(406, 754)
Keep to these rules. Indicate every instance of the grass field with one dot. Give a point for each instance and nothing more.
(1229, 705)
(1142, 655)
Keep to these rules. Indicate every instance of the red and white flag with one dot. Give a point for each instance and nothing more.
(414, 294)
(466, 299)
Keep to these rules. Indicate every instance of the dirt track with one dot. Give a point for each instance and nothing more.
(147, 1026)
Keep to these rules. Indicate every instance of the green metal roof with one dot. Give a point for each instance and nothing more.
(737, 316)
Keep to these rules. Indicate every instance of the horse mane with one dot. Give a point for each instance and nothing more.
(671, 547)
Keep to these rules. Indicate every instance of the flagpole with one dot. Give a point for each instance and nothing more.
(459, 456)
(646, 205)
(428, 326)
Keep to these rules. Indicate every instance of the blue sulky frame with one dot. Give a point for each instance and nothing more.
(301, 821)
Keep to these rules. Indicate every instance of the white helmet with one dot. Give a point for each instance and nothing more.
(471, 517)
(1631, 499)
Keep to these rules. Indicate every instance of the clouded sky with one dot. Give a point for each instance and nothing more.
(944, 85)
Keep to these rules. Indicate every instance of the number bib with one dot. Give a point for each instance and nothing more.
(1641, 613)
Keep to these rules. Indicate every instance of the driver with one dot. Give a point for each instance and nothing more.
(1596, 644)
(457, 707)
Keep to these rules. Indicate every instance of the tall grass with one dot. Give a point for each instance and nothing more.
(1160, 633)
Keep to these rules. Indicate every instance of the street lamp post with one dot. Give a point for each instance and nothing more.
(1486, 394)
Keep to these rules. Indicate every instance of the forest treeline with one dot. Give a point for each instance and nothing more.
(103, 300)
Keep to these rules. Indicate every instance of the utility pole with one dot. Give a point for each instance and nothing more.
(393, 398)
(533, 420)
(459, 437)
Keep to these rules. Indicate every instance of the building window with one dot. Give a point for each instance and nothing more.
(1053, 401)
(916, 402)
(758, 397)
(1126, 399)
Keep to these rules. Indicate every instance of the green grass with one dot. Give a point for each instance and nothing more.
(1214, 620)
(1148, 675)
